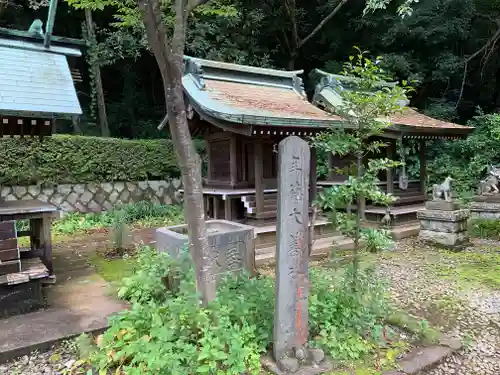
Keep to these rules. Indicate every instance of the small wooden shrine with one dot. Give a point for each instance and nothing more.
(36, 89)
(243, 112)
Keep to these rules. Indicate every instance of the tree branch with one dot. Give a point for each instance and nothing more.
(157, 33)
(322, 23)
(490, 43)
(179, 36)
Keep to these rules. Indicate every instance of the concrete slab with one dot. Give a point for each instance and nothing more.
(78, 305)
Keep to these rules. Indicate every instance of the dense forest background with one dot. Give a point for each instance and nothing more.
(449, 47)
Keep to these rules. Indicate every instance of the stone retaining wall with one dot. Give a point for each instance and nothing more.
(96, 197)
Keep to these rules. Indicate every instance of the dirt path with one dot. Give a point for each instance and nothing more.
(453, 291)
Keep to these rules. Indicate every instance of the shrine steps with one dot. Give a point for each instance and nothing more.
(324, 245)
(401, 215)
(270, 208)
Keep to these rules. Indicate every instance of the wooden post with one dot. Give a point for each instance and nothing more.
(391, 154)
(259, 176)
(101, 105)
(312, 177)
(232, 162)
(209, 160)
(423, 169)
(331, 173)
(45, 237)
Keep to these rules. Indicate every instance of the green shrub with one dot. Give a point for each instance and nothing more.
(466, 160)
(74, 159)
(166, 331)
(485, 228)
(143, 212)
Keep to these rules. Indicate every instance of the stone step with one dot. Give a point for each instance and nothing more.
(322, 247)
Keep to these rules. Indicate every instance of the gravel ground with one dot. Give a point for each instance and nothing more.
(53, 362)
(471, 313)
(462, 310)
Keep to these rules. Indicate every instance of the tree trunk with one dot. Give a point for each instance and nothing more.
(101, 104)
(169, 55)
(190, 166)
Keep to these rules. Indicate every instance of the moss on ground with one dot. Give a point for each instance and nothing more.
(479, 268)
(112, 270)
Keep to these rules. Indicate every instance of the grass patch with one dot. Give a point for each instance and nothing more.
(485, 228)
(470, 268)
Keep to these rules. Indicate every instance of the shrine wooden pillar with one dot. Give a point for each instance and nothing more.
(423, 168)
(259, 177)
(233, 168)
(313, 178)
(331, 172)
(391, 154)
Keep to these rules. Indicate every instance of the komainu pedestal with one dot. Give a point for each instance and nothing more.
(486, 207)
(444, 223)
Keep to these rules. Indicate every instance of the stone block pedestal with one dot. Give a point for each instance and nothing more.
(486, 207)
(444, 223)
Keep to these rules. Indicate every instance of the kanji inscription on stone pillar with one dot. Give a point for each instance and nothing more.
(292, 282)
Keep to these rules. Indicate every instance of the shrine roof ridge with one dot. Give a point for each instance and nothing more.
(33, 46)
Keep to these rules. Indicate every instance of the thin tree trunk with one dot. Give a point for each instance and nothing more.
(170, 58)
(357, 232)
(101, 104)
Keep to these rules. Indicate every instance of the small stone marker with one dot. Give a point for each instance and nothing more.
(291, 327)
(444, 223)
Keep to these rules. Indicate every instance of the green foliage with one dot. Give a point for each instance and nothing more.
(366, 109)
(485, 228)
(68, 159)
(466, 160)
(166, 330)
(143, 212)
(376, 240)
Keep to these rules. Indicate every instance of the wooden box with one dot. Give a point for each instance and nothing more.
(9, 249)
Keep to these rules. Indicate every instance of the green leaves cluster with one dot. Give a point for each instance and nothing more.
(368, 102)
(467, 160)
(65, 159)
(167, 331)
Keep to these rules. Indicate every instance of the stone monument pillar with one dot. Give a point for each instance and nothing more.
(291, 328)
(443, 222)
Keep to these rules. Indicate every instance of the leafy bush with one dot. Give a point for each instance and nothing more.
(376, 240)
(466, 160)
(167, 331)
(143, 212)
(74, 159)
(485, 228)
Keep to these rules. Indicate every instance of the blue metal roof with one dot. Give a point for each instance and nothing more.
(36, 81)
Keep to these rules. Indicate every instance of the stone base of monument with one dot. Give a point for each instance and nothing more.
(315, 364)
(486, 207)
(232, 244)
(444, 223)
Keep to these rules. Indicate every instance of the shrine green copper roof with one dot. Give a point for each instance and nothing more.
(36, 81)
(249, 95)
